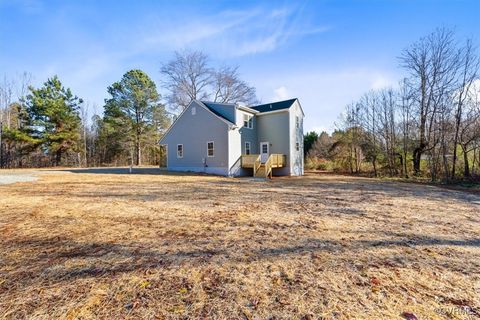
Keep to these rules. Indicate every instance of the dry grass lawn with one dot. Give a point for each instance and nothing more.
(98, 245)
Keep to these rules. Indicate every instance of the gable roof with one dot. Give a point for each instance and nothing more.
(280, 105)
(202, 105)
(215, 106)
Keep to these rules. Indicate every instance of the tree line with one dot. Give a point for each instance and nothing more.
(51, 126)
(428, 126)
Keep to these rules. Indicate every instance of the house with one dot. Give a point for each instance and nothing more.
(237, 140)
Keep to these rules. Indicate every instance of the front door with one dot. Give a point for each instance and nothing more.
(264, 151)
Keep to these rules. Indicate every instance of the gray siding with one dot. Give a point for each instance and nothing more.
(274, 128)
(248, 134)
(194, 131)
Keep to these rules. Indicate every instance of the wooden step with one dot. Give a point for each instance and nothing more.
(260, 172)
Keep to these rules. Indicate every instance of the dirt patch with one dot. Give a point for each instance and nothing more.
(106, 245)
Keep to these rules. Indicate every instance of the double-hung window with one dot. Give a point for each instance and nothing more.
(179, 150)
(210, 149)
(247, 121)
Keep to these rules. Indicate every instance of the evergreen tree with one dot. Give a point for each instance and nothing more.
(132, 113)
(53, 118)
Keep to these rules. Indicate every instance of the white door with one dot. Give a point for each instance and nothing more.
(264, 151)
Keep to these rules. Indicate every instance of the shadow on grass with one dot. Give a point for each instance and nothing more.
(134, 170)
(54, 260)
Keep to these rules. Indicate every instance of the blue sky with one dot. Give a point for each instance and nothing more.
(326, 53)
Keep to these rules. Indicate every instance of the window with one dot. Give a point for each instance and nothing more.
(297, 119)
(297, 146)
(210, 149)
(247, 147)
(194, 111)
(179, 150)
(247, 121)
(264, 147)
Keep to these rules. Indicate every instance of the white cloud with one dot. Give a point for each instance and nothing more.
(380, 81)
(281, 93)
(228, 33)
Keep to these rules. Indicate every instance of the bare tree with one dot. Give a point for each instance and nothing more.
(405, 98)
(6, 99)
(469, 128)
(84, 111)
(187, 77)
(368, 118)
(432, 62)
(228, 87)
(469, 65)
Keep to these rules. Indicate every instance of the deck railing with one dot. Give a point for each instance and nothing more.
(248, 160)
(274, 161)
(254, 161)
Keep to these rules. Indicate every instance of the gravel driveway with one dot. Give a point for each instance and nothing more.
(12, 177)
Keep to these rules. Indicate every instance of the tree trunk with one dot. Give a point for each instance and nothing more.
(58, 157)
(138, 152)
(405, 165)
(466, 169)
(417, 156)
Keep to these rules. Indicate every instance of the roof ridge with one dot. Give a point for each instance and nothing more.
(281, 101)
(273, 106)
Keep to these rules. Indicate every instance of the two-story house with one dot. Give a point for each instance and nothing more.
(237, 140)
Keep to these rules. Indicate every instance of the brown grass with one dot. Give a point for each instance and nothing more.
(86, 245)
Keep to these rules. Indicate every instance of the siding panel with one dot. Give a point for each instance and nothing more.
(194, 131)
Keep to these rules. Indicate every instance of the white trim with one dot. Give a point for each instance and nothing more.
(249, 121)
(180, 144)
(213, 149)
(301, 109)
(247, 109)
(274, 111)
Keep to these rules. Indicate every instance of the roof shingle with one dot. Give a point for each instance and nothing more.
(274, 106)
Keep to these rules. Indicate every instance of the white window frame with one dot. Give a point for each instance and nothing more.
(248, 120)
(297, 146)
(249, 148)
(213, 149)
(297, 120)
(194, 111)
(178, 155)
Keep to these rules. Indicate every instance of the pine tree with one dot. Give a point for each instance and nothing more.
(53, 116)
(132, 111)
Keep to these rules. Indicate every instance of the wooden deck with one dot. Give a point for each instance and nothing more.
(264, 170)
